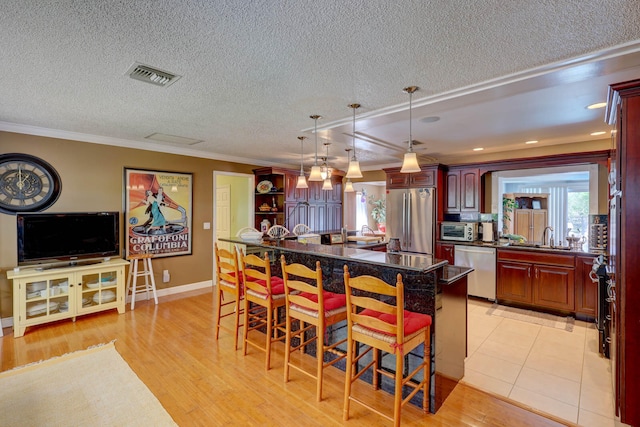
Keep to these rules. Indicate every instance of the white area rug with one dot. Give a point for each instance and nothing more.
(93, 387)
(530, 316)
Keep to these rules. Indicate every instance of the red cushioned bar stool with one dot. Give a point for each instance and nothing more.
(375, 321)
(264, 295)
(309, 305)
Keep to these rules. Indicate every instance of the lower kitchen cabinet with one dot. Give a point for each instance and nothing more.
(544, 280)
(445, 251)
(586, 290)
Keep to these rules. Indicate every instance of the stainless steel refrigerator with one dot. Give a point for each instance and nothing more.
(411, 217)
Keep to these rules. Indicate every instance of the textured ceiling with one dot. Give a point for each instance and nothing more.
(496, 73)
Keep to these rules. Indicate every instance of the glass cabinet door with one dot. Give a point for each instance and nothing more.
(46, 297)
(98, 288)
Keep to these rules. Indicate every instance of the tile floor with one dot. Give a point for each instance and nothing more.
(552, 370)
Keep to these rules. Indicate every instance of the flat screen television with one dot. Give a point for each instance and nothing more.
(67, 237)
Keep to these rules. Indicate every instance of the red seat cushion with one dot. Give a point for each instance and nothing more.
(332, 301)
(233, 274)
(412, 321)
(277, 285)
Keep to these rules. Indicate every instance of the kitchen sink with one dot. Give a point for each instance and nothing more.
(538, 246)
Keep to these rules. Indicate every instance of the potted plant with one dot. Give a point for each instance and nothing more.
(379, 212)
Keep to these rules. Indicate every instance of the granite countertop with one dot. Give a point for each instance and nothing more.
(525, 246)
(349, 252)
(451, 273)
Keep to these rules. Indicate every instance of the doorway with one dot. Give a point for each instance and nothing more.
(233, 204)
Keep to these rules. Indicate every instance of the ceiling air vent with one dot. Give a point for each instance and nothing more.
(147, 74)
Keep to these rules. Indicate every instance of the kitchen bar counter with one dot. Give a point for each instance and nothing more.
(431, 287)
(525, 246)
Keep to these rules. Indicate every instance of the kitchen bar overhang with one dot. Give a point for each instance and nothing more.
(432, 286)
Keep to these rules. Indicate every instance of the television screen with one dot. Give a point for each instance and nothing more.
(54, 237)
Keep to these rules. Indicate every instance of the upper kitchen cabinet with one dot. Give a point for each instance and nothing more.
(293, 194)
(427, 177)
(462, 190)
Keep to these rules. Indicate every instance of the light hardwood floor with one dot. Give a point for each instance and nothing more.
(205, 382)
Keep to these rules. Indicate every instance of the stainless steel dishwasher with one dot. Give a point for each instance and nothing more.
(482, 281)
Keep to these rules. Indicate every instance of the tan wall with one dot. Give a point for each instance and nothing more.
(92, 180)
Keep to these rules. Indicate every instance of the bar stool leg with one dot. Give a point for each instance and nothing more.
(134, 285)
(153, 282)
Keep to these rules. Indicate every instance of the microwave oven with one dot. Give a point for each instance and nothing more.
(460, 231)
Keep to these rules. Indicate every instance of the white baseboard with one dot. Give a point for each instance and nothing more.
(7, 322)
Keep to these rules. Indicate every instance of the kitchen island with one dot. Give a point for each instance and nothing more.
(432, 286)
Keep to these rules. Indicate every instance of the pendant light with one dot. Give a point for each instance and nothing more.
(315, 169)
(348, 187)
(354, 165)
(302, 181)
(326, 171)
(410, 162)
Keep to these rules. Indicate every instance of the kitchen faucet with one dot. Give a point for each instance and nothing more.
(544, 234)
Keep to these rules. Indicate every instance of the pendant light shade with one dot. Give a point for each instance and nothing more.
(354, 165)
(326, 171)
(302, 181)
(348, 187)
(326, 185)
(315, 174)
(410, 162)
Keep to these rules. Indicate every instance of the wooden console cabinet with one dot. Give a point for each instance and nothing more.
(42, 296)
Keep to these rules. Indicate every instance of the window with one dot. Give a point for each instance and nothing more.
(569, 189)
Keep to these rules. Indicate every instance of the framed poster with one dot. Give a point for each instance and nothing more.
(158, 210)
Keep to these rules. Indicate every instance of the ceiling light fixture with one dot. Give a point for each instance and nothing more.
(478, 149)
(597, 133)
(315, 169)
(533, 141)
(302, 181)
(354, 165)
(596, 105)
(410, 162)
(326, 171)
(348, 187)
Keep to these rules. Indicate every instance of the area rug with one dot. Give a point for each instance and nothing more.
(93, 387)
(530, 316)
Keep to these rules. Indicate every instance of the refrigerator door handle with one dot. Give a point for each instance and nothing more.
(404, 218)
(409, 209)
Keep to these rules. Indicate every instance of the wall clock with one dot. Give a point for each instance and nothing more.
(27, 184)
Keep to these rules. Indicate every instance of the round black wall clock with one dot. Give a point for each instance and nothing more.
(27, 184)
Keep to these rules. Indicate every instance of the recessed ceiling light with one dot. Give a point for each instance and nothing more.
(429, 119)
(597, 133)
(597, 105)
(478, 149)
(533, 141)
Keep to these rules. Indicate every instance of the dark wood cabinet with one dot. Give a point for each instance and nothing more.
(445, 251)
(427, 177)
(623, 111)
(462, 190)
(514, 282)
(553, 287)
(292, 194)
(397, 179)
(320, 209)
(586, 301)
(542, 280)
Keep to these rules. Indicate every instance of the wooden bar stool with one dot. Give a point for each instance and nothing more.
(264, 295)
(312, 307)
(375, 321)
(228, 280)
(147, 272)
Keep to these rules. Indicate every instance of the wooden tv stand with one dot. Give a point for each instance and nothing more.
(42, 295)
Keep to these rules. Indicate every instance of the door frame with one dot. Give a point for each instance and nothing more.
(249, 220)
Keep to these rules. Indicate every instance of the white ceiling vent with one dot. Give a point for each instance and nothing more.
(148, 74)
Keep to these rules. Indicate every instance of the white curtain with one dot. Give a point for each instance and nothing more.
(361, 210)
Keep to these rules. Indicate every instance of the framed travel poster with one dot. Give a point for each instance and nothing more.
(158, 210)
